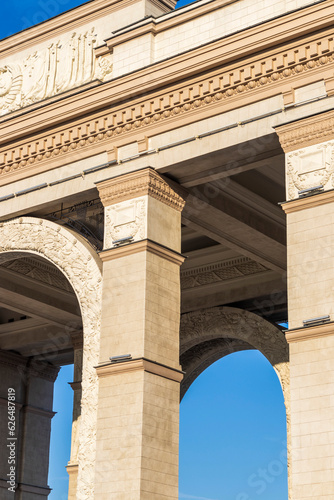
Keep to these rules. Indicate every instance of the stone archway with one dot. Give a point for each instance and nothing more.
(82, 267)
(207, 335)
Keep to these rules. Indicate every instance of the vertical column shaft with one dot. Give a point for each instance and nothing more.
(310, 248)
(32, 383)
(138, 412)
(73, 465)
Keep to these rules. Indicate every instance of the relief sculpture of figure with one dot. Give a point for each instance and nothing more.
(56, 69)
(10, 86)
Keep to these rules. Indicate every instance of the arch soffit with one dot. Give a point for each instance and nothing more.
(228, 322)
(81, 265)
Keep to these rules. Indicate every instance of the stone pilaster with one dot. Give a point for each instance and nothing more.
(73, 465)
(138, 410)
(33, 385)
(309, 151)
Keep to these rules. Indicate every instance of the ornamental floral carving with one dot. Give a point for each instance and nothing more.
(56, 69)
(310, 167)
(81, 266)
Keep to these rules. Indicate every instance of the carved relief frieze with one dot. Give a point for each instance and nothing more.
(220, 271)
(124, 220)
(222, 86)
(51, 71)
(310, 167)
(39, 271)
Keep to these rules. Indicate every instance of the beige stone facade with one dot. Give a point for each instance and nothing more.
(166, 198)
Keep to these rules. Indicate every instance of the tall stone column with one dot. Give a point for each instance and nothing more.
(32, 383)
(309, 148)
(73, 464)
(138, 408)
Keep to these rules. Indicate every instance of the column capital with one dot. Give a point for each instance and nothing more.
(77, 339)
(307, 131)
(142, 246)
(140, 183)
(309, 160)
(141, 364)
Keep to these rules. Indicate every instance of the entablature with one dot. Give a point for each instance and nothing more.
(292, 51)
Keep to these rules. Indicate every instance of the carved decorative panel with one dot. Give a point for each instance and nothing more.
(126, 219)
(310, 167)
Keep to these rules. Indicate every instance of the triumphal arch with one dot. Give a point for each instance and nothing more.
(166, 198)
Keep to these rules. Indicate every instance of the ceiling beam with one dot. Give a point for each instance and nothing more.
(225, 220)
(244, 288)
(20, 294)
(232, 167)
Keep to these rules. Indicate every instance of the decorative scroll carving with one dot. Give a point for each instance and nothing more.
(77, 261)
(125, 219)
(46, 73)
(207, 325)
(220, 271)
(310, 167)
(231, 83)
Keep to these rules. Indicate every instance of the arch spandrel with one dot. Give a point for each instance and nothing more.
(214, 323)
(77, 260)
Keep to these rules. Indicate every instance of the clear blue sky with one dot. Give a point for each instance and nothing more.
(232, 429)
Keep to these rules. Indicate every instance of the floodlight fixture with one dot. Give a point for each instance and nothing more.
(311, 191)
(317, 321)
(121, 358)
(122, 241)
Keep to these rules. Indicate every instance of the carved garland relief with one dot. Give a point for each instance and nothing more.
(46, 73)
(310, 167)
(80, 266)
(229, 84)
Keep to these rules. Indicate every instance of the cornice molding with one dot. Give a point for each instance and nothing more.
(26, 369)
(141, 183)
(140, 364)
(309, 333)
(39, 411)
(77, 340)
(308, 202)
(142, 246)
(306, 132)
(76, 386)
(36, 490)
(63, 23)
(252, 77)
(72, 469)
(155, 26)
